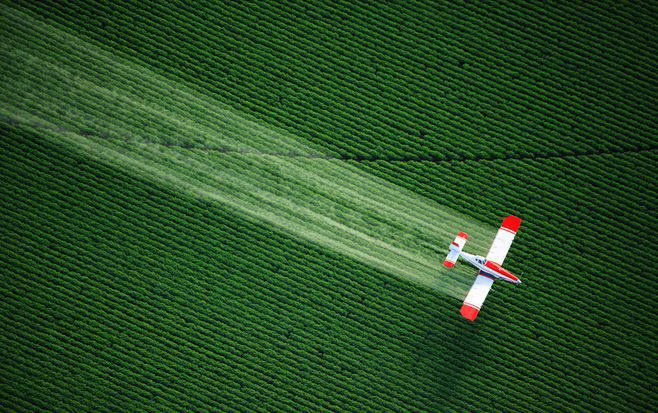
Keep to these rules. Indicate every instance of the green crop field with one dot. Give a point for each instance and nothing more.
(245, 206)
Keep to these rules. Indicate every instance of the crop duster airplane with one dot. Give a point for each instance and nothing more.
(490, 267)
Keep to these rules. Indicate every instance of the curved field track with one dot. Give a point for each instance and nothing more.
(223, 207)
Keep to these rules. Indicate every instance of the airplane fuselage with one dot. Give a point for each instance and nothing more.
(490, 268)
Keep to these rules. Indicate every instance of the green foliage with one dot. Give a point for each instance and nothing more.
(119, 294)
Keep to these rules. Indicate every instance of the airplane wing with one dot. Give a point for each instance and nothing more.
(476, 296)
(503, 240)
(501, 244)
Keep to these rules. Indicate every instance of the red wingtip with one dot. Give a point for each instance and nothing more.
(448, 264)
(470, 312)
(512, 223)
(463, 235)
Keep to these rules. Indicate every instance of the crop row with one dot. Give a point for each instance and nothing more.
(560, 234)
(300, 38)
(356, 332)
(59, 232)
(342, 121)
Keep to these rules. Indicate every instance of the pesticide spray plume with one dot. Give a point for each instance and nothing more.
(119, 113)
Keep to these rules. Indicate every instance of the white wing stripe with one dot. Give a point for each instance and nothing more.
(479, 291)
(500, 246)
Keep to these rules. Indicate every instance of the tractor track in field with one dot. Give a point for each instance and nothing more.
(432, 159)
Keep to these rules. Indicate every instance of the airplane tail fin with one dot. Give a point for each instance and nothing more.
(455, 249)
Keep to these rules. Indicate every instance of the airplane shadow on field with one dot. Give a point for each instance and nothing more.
(450, 350)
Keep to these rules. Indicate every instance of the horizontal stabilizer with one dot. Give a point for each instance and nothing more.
(455, 249)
